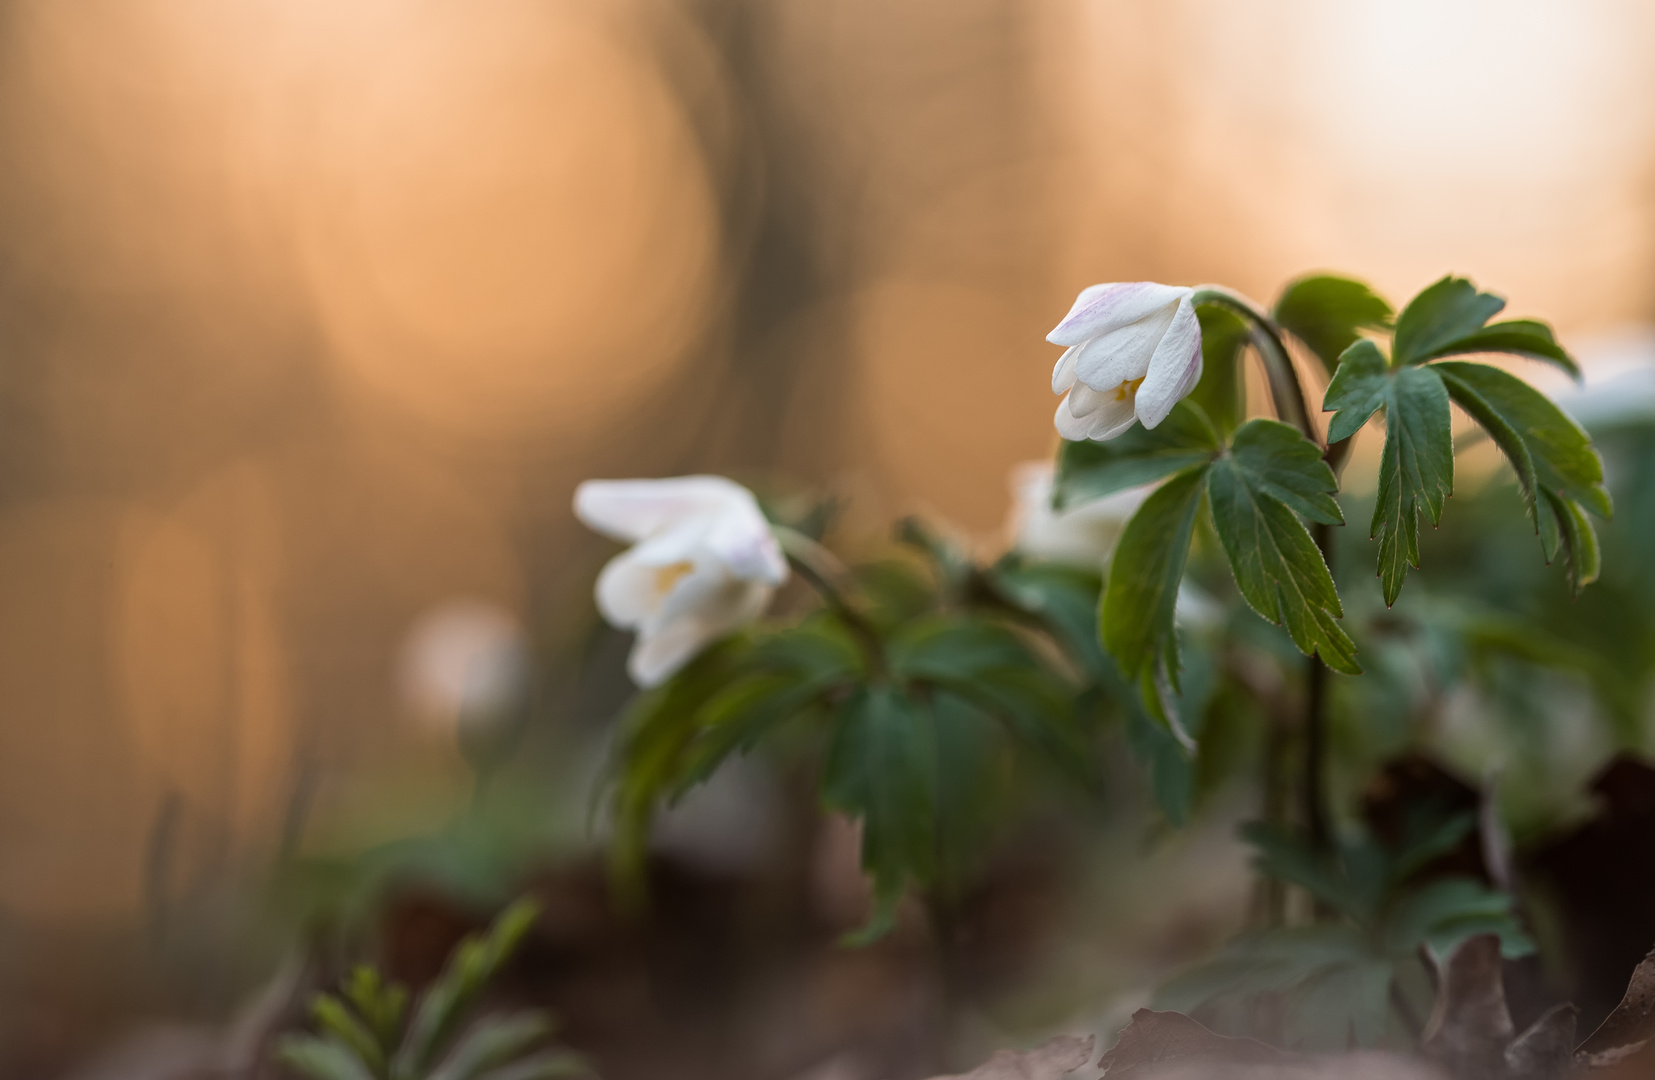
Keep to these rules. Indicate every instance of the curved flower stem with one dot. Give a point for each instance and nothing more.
(1286, 393)
(831, 579)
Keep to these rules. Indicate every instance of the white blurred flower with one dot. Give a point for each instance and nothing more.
(704, 563)
(1134, 351)
(1086, 535)
(1082, 536)
(463, 663)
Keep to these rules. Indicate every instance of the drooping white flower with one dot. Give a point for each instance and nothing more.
(1134, 349)
(1084, 535)
(703, 563)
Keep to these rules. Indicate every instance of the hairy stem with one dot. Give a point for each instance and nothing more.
(1286, 393)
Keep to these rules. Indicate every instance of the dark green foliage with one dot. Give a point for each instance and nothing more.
(363, 1036)
(1338, 980)
(1416, 468)
(1557, 468)
(1136, 617)
(1270, 472)
(1556, 465)
(1328, 313)
(916, 686)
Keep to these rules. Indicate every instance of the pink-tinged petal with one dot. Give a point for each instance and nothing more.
(1114, 418)
(1063, 375)
(626, 591)
(1123, 354)
(1175, 368)
(1102, 308)
(633, 509)
(742, 539)
(1071, 427)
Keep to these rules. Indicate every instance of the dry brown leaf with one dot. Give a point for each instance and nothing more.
(1625, 1031)
(1154, 1038)
(1050, 1060)
(1470, 1027)
(1544, 1051)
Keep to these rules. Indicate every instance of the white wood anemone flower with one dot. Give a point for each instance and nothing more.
(703, 563)
(1134, 350)
(1083, 535)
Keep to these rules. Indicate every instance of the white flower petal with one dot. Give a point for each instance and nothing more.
(1102, 308)
(703, 593)
(742, 540)
(633, 509)
(1084, 401)
(657, 656)
(1124, 353)
(1070, 426)
(1175, 369)
(682, 542)
(628, 591)
(1063, 375)
(1116, 416)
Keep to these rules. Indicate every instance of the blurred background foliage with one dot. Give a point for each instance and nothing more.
(312, 315)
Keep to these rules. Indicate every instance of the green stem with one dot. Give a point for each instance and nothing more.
(832, 581)
(1286, 393)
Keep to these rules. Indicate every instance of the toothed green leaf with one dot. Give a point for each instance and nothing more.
(1276, 563)
(1445, 312)
(1557, 467)
(1136, 616)
(881, 771)
(1416, 467)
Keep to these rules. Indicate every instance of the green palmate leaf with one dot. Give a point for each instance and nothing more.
(1521, 337)
(1443, 913)
(736, 718)
(881, 771)
(381, 1006)
(1442, 314)
(491, 1042)
(333, 1017)
(1559, 470)
(1328, 313)
(1220, 393)
(1276, 564)
(1281, 463)
(943, 649)
(1065, 598)
(1172, 769)
(1136, 617)
(1089, 470)
(473, 963)
(970, 747)
(545, 1065)
(1416, 468)
(1448, 319)
(321, 1059)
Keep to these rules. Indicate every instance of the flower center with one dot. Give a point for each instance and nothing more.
(1128, 387)
(668, 576)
